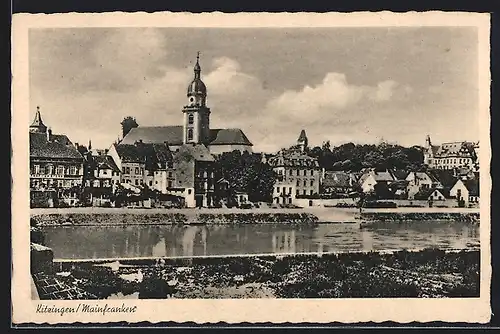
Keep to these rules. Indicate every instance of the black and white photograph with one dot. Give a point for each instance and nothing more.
(254, 163)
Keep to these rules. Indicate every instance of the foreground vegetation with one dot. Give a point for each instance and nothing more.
(427, 273)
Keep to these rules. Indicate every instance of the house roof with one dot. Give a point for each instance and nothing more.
(292, 158)
(149, 153)
(337, 179)
(453, 149)
(424, 194)
(400, 174)
(472, 186)
(59, 146)
(383, 176)
(172, 135)
(444, 176)
(130, 153)
(196, 152)
(105, 162)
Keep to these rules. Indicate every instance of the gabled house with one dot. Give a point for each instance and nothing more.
(432, 194)
(338, 183)
(372, 177)
(195, 178)
(466, 191)
(420, 181)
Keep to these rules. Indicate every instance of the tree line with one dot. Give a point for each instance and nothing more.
(354, 157)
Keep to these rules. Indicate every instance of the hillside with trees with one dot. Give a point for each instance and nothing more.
(354, 157)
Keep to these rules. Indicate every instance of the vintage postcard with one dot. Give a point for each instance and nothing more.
(251, 167)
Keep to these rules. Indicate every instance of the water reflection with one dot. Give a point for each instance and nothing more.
(161, 241)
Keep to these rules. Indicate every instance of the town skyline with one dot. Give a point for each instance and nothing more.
(87, 80)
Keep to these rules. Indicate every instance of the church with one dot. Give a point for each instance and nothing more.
(195, 128)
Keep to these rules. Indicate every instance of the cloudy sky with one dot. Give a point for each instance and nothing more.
(339, 84)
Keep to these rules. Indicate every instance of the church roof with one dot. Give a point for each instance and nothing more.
(59, 146)
(228, 137)
(172, 135)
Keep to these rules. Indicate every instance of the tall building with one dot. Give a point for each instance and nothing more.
(56, 167)
(195, 128)
(450, 155)
(298, 175)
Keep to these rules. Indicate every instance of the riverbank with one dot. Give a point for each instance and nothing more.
(425, 273)
(123, 216)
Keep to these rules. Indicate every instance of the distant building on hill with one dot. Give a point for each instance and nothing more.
(451, 155)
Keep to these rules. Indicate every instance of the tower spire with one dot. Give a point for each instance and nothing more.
(37, 125)
(197, 67)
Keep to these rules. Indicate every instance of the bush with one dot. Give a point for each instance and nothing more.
(379, 205)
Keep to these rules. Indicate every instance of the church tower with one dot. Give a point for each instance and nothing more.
(37, 125)
(302, 142)
(196, 113)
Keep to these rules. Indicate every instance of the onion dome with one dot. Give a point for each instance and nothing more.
(197, 87)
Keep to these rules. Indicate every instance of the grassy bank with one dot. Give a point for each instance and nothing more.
(427, 273)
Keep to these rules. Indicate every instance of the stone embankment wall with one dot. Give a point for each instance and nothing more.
(81, 219)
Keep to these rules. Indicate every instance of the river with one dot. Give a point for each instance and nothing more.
(95, 242)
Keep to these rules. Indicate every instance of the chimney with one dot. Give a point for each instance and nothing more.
(49, 134)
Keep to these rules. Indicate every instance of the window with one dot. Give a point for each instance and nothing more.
(150, 183)
(190, 119)
(278, 190)
(169, 174)
(190, 134)
(96, 184)
(305, 183)
(305, 172)
(298, 182)
(136, 170)
(298, 172)
(289, 190)
(303, 192)
(297, 192)
(290, 172)
(48, 169)
(310, 192)
(189, 191)
(169, 183)
(136, 182)
(312, 172)
(72, 170)
(312, 183)
(37, 169)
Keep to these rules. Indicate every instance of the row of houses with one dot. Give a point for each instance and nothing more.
(299, 177)
(61, 171)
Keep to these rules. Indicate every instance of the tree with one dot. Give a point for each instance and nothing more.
(128, 124)
(246, 173)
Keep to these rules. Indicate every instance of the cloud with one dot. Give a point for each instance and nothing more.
(227, 79)
(332, 109)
